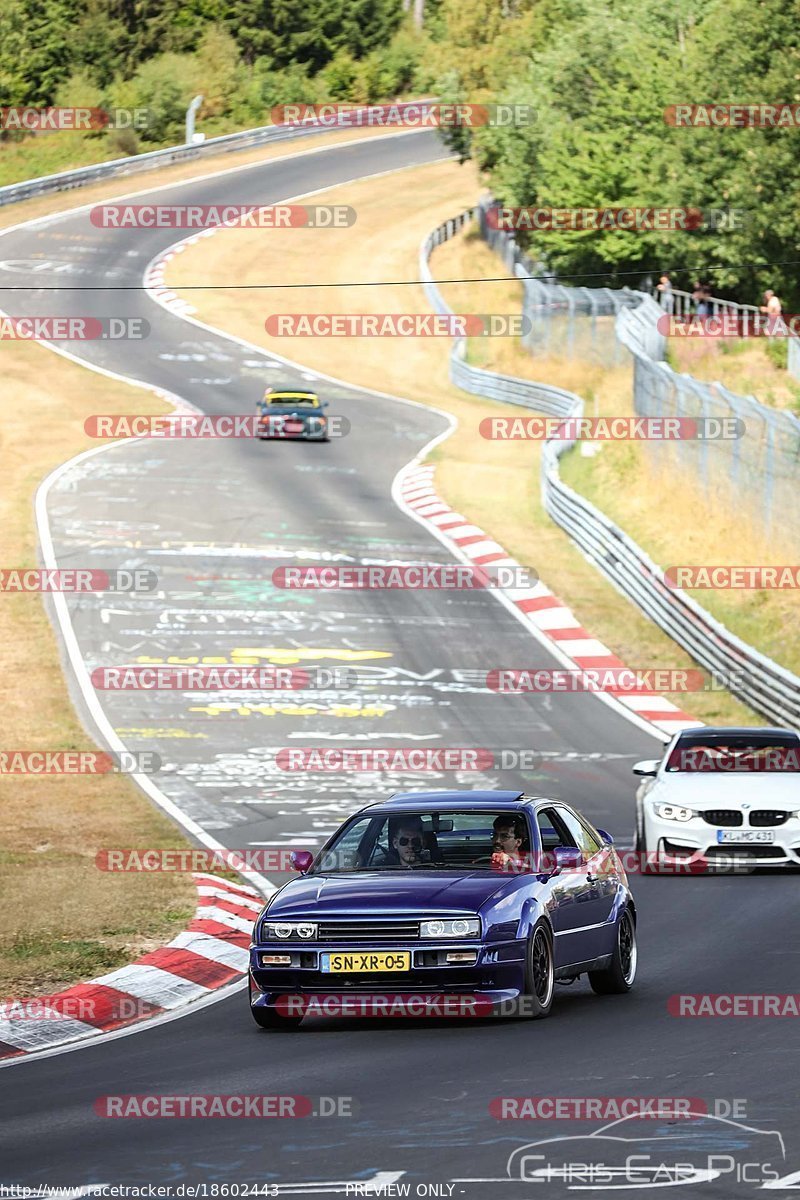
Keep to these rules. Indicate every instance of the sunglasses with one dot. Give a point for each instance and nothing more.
(413, 841)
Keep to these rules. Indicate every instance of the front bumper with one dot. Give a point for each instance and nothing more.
(499, 969)
(677, 841)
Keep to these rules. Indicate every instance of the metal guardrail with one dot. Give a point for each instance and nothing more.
(763, 684)
(243, 140)
(81, 176)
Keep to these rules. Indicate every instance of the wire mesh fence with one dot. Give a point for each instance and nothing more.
(565, 322)
(758, 471)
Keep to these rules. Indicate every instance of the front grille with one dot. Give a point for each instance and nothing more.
(367, 931)
(727, 817)
(768, 816)
(756, 850)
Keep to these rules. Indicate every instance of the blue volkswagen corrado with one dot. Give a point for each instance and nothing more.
(490, 894)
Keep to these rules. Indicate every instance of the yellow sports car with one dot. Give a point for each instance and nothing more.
(288, 414)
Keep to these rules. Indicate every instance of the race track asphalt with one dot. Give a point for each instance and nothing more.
(212, 519)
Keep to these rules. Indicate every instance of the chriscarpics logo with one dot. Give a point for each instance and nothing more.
(645, 1154)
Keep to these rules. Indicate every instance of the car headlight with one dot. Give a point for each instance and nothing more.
(285, 930)
(674, 812)
(458, 927)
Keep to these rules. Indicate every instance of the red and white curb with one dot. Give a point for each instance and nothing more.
(209, 954)
(155, 271)
(547, 615)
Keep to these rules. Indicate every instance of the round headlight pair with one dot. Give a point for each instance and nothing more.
(457, 927)
(285, 930)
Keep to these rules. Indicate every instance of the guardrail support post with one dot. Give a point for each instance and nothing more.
(190, 115)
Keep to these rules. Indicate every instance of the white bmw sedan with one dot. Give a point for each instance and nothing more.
(723, 796)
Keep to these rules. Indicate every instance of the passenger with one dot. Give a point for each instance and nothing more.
(510, 843)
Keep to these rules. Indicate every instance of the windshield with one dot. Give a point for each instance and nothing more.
(445, 840)
(735, 754)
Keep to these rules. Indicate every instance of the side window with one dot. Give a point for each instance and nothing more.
(553, 830)
(581, 836)
(594, 841)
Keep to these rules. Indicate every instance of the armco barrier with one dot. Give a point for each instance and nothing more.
(757, 680)
(244, 140)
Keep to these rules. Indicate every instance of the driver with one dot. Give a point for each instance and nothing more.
(510, 842)
(405, 842)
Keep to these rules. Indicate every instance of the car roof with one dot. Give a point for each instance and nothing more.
(759, 732)
(431, 801)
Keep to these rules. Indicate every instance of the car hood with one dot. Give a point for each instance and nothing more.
(714, 789)
(387, 893)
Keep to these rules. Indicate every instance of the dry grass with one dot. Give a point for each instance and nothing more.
(495, 484)
(63, 919)
(742, 366)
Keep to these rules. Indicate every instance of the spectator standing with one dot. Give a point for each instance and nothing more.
(665, 293)
(772, 305)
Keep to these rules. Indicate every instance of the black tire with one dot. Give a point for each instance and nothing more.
(539, 974)
(619, 976)
(271, 1018)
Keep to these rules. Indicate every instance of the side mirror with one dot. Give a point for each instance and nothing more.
(567, 858)
(301, 860)
(648, 766)
(607, 838)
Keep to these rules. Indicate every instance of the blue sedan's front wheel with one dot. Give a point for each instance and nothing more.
(618, 977)
(539, 973)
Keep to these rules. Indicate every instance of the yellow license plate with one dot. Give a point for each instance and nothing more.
(342, 962)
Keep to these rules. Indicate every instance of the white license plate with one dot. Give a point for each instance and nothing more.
(744, 836)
